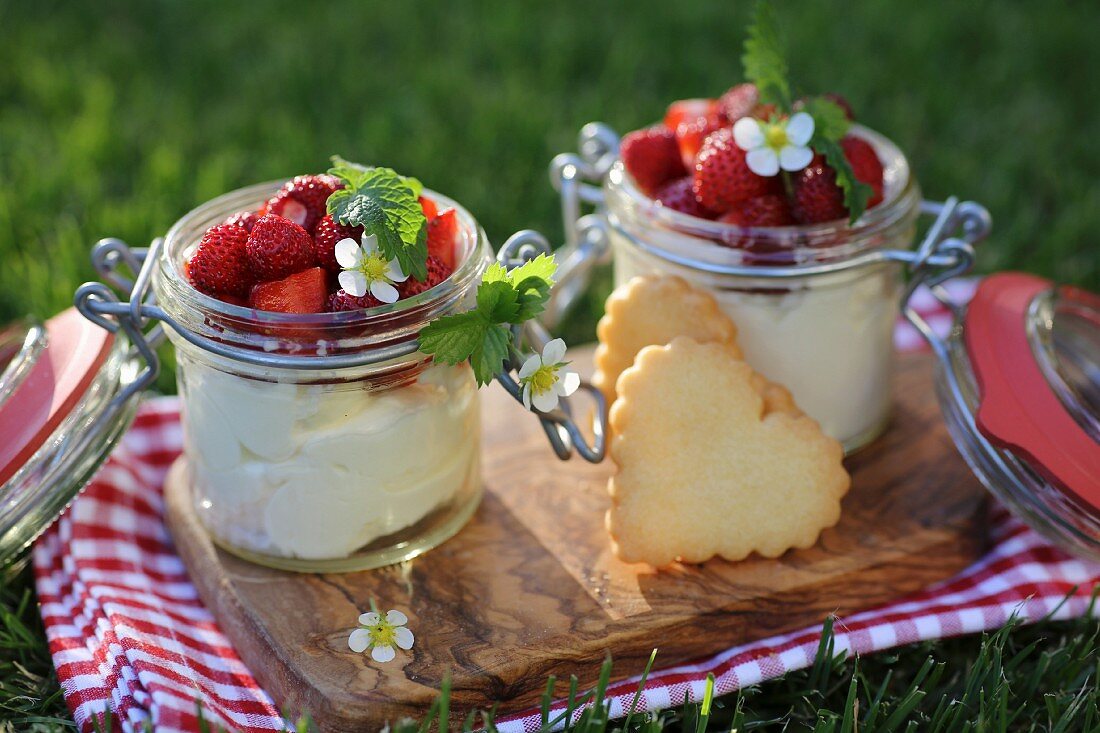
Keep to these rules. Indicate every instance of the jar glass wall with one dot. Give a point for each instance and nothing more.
(323, 469)
(828, 337)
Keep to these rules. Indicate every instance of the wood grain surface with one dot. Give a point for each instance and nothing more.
(529, 587)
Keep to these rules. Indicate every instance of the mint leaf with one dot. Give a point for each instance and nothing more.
(385, 204)
(763, 59)
(830, 121)
(453, 339)
(488, 358)
(498, 301)
(856, 193)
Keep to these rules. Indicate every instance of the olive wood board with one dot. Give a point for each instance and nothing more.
(529, 587)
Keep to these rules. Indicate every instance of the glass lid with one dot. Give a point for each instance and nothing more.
(1018, 380)
(59, 417)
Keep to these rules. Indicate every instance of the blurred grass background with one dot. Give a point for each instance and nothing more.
(118, 117)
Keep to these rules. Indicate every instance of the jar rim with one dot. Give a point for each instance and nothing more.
(801, 244)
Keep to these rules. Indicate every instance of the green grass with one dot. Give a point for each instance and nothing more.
(118, 117)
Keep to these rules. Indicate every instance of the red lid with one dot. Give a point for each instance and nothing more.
(59, 377)
(1019, 409)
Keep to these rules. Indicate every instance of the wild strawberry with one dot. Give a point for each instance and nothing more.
(691, 134)
(865, 165)
(246, 219)
(723, 178)
(678, 195)
(302, 292)
(429, 208)
(437, 273)
(302, 200)
(342, 301)
(220, 266)
(278, 247)
(683, 110)
(325, 237)
(651, 157)
(770, 210)
(816, 197)
(739, 101)
(442, 233)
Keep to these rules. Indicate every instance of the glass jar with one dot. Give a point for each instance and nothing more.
(300, 455)
(827, 335)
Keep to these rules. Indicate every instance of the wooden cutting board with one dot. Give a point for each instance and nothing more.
(529, 587)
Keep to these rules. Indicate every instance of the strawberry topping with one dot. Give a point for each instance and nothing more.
(219, 266)
(246, 219)
(341, 300)
(816, 196)
(678, 195)
(325, 237)
(683, 110)
(442, 233)
(302, 200)
(769, 210)
(302, 292)
(740, 101)
(723, 178)
(429, 208)
(438, 271)
(691, 134)
(652, 157)
(278, 247)
(865, 165)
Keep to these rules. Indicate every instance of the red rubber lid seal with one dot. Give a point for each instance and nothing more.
(75, 351)
(1019, 410)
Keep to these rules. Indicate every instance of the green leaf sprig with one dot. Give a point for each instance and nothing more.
(765, 66)
(482, 335)
(386, 205)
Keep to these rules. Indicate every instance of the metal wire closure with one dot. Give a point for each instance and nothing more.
(142, 320)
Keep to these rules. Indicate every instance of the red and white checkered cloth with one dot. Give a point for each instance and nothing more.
(130, 637)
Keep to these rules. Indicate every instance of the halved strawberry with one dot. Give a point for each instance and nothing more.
(278, 247)
(865, 165)
(429, 208)
(219, 266)
(651, 156)
(325, 237)
(302, 292)
(691, 134)
(438, 271)
(723, 178)
(302, 200)
(678, 195)
(683, 110)
(442, 235)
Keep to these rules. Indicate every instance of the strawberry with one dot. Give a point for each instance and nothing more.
(438, 271)
(302, 200)
(678, 195)
(690, 136)
(429, 208)
(651, 157)
(219, 266)
(278, 247)
(816, 197)
(723, 178)
(246, 219)
(683, 110)
(342, 301)
(442, 232)
(302, 292)
(739, 101)
(325, 237)
(769, 210)
(865, 165)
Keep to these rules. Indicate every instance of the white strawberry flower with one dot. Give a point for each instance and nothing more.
(366, 269)
(381, 634)
(543, 380)
(770, 146)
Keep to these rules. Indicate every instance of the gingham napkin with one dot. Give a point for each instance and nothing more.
(131, 639)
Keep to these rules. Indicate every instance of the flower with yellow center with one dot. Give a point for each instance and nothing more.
(543, 380)
(367, 270)
(381, 634)
(778, 144)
